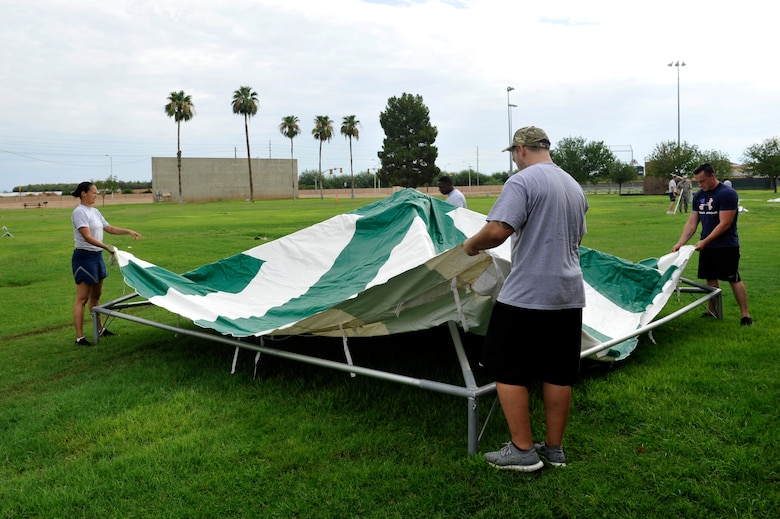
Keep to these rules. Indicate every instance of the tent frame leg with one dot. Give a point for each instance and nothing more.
(472, 400)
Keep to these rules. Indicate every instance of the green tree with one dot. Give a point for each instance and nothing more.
(622, 173)
(408, 156)
(498, 179)
(181, 108)
(290, 129)
(111, 184)
(585, 161)
(349, 129)
(104, 188)
(668, 158)
(720, 162)
(601, 161)
(245, 103)
(763, 159)
(364, 180)
(569, 154)
(308, 179)
(323, 131)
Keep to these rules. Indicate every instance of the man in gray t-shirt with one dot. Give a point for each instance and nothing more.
(545, 207)
(535, 328)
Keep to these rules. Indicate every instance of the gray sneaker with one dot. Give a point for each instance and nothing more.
(512, 458)
(552, 455)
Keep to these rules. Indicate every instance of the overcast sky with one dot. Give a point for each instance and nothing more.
(83, 83)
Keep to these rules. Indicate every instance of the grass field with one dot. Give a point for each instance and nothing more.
(151, 424)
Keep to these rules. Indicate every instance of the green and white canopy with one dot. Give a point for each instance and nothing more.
(389, 267)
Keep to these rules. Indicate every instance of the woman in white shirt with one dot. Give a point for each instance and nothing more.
(89, 269)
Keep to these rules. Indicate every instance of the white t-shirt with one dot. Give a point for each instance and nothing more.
(546, 207)
(85, 216)
(455, 197)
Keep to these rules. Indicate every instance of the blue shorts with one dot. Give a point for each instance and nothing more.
(88, 267)
(523, 345)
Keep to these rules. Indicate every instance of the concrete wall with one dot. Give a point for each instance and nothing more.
(223, 179)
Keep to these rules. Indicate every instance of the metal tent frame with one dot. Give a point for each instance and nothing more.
(470, 390)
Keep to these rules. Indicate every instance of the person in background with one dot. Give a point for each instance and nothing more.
(542, 209)
(727, 182)
(672, 193)
(715, 205)
(454, 196)
(89, 269)
(685, 193)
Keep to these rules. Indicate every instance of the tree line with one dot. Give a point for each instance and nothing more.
(760, 160)
(408, 154)
(111, 184)
(368, 179)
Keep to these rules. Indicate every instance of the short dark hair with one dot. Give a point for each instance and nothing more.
(706, 168)
(445, 180)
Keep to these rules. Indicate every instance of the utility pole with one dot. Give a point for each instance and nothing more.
(509, 119)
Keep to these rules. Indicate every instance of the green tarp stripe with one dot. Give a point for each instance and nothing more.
(595, 333)
(432, 211)
(371, 305)
(359, 262)
(230, 275)
(155, 281)
(630, 286)
(618, 351)
(416, 299)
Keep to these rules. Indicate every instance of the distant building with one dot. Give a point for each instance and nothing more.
(737, 170)
(207, 179)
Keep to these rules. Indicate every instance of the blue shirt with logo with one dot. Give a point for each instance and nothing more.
(709, 204)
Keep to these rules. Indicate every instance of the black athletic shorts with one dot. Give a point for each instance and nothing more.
(523, 345)
(719, 263)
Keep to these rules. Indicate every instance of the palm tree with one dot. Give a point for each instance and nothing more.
(290, 129)
(323, 131)
(349, 129)
(245, 103)
(181, 108)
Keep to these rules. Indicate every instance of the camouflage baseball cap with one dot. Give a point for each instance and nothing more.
(530, 136)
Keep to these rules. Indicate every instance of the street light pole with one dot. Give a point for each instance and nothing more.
(111, 161)
(509, 121)
(469, 165)
(678, 64)
(477, 166)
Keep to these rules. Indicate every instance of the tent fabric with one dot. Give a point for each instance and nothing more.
(389, 267)
(622, 296)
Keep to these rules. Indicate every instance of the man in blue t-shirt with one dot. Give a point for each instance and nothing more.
(715, 205)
